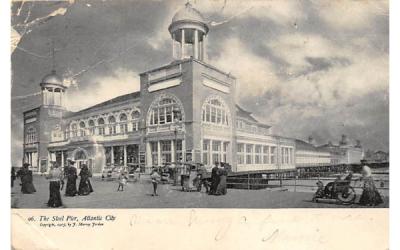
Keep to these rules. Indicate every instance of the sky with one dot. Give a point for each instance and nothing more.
(306, 67)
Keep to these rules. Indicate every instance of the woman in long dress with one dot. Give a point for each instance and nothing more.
(55, 177)
(370, 195)
(27, 186)
(71, 180)
(214, 179)
(85, 187)
(221, 188)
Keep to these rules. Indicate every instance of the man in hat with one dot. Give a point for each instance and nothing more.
(71, 174)
(25, 174)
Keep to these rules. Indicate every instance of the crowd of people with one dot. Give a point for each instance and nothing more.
(216, 185)
(56, 177)
(219, 174)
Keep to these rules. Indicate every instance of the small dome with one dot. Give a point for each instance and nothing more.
(52, 78)
(188, 14)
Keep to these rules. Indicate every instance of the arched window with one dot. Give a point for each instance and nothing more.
(165, 110)
(135, 115)
(112, 128)
(74, 130)
(100, 123)
(31, 136)
(135, 120)
(216, 112)
(91, 127)
(123, 126)
(82, 128)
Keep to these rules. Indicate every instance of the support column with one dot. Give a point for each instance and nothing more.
(196, 44)
(149, 161)
(112, 155)
(62, 159)
(173, 150)
(210, 153)
(125, 157)
(173, 46)
(182, 43)
(221, 154)
(204, 50)
(159, 153)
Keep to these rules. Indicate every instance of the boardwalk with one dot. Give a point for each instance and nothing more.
(137, 195)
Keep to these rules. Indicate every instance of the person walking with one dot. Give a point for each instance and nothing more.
(13, 176)
(72, 176)
(155, 177)
(370, 195)
(85, 187)
(27, 186)
(55, 177)
(214, 179)
(122, 180)
(202, 175)
(223, 173)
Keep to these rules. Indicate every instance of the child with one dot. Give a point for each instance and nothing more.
(122, 180)
(154, 179)
(320, 191)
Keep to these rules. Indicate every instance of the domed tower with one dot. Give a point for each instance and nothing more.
(189, 34)
(53, 90)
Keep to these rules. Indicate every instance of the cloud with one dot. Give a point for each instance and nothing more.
(350, 15)
(103, 88)
(254, 74)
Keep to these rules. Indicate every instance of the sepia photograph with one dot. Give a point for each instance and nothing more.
(265, 104)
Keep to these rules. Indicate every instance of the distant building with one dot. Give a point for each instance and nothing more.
(344, 152)
(308, 155)
(377, 156)
(185, 111)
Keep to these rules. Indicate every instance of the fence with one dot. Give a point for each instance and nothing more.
(248, 182)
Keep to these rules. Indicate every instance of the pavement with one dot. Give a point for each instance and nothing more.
(138, 195)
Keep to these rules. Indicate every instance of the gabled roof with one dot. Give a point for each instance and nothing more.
(240, 112)
(121, 98)
(302, 145)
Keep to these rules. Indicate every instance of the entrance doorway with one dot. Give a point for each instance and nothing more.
(81, 159)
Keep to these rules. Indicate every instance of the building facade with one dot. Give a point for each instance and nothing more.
(344, 152)
(184, 111)
(309, 155)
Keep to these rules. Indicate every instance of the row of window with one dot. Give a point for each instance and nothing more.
(252, 128)
(110, 129)
(256, 154)
(135, 115)
(214, 111)
(214, 151)
(31, 135)
(122, 155)
(162, 153)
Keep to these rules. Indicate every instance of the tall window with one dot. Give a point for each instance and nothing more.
(119, 155)
(266, 155)
(31, 136)
(273, 155)
(165, 111)
(108, 154)
(257, 156)
(206, 151)
(249, 154)
(154, 152)
(82, 128)
(123, 126)
(112, 127)
(166, 151)
(240, 151)
(74, 130)
(179, 155)
(216, 112)
(216, 151)
(132, 153)
(135, 120)
(92, 127)
(100, 122)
